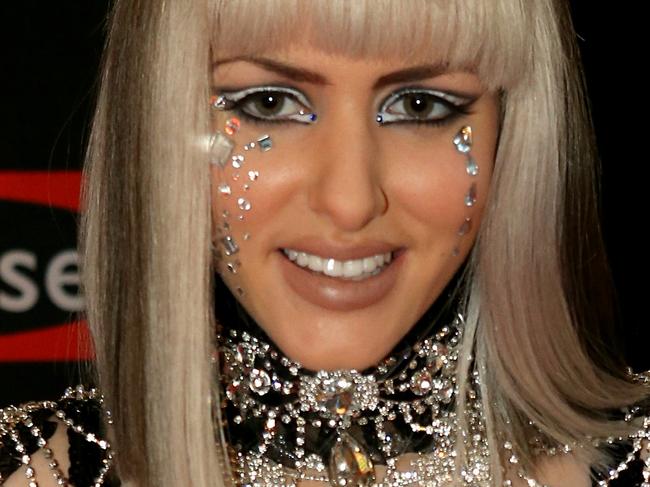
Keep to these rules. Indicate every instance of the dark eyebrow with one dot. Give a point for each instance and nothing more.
(415, 73)
(292, 72)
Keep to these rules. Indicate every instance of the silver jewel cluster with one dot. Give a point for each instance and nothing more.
(417, 390)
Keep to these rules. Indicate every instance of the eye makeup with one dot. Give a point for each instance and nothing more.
(268, 104)
(422, 105)
(282, 104)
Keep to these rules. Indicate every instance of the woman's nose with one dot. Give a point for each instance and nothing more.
(348, 188)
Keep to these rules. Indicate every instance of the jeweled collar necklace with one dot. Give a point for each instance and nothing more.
(286, 423)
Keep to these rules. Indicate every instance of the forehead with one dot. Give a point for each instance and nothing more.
(462, 34)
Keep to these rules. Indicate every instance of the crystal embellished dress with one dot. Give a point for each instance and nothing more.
(26, 428)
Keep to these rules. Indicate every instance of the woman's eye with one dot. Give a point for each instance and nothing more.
(421, 106)
(269, 105)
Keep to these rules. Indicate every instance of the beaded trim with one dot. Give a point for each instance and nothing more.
(17, 424)
(13, 421)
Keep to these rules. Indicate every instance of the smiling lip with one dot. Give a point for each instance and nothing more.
(338, 294)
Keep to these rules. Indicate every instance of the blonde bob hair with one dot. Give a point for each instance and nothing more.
(536, 290)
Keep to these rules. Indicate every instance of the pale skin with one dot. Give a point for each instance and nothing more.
(349, 180)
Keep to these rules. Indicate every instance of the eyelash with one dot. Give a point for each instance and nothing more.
(457, 110)
(236, 100)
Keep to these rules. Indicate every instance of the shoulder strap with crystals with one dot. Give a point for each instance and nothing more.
(26, 428)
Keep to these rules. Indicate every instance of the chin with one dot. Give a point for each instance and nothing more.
(339, 346)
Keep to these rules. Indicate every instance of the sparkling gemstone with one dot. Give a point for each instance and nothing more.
(447, 393)
(421, 382)
(229, 245)
(253, 175)
(232, 391)
(243, 204)
(440, 349)
(470, 198)
(232, 126)
(472, 167)
(434, 364)
(339, 393)
(260, 381)
(237, 161)
(220, 149)
(265, 143)
(218, 102)
(463, 140)
(465, 227)
(398, 443)
(350, 464)
(437, 357)
(337, 404)
(224, 189)
(242, 353)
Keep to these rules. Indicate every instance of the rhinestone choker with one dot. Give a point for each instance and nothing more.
(288, 424)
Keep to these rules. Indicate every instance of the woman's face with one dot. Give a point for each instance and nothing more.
(339, 193)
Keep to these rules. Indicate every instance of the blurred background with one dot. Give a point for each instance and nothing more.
(49, 56)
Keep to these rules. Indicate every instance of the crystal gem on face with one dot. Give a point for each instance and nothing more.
(229, 245)
(472, 167)
(220, 149)
(470, 198)
(465, 227)
(237, 161)
(243, 204)
(463, 140)
(265, 143)
(232, 126)
(350, 464)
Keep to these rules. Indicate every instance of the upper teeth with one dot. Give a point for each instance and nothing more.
(339, 268)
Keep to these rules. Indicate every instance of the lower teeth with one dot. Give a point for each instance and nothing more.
(365, 275)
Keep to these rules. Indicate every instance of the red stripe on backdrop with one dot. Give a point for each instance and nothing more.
(50, 188)
(59, 343)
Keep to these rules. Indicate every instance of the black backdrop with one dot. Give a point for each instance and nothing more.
(49, 53)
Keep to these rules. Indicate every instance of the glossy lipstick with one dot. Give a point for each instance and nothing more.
(334, 293)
